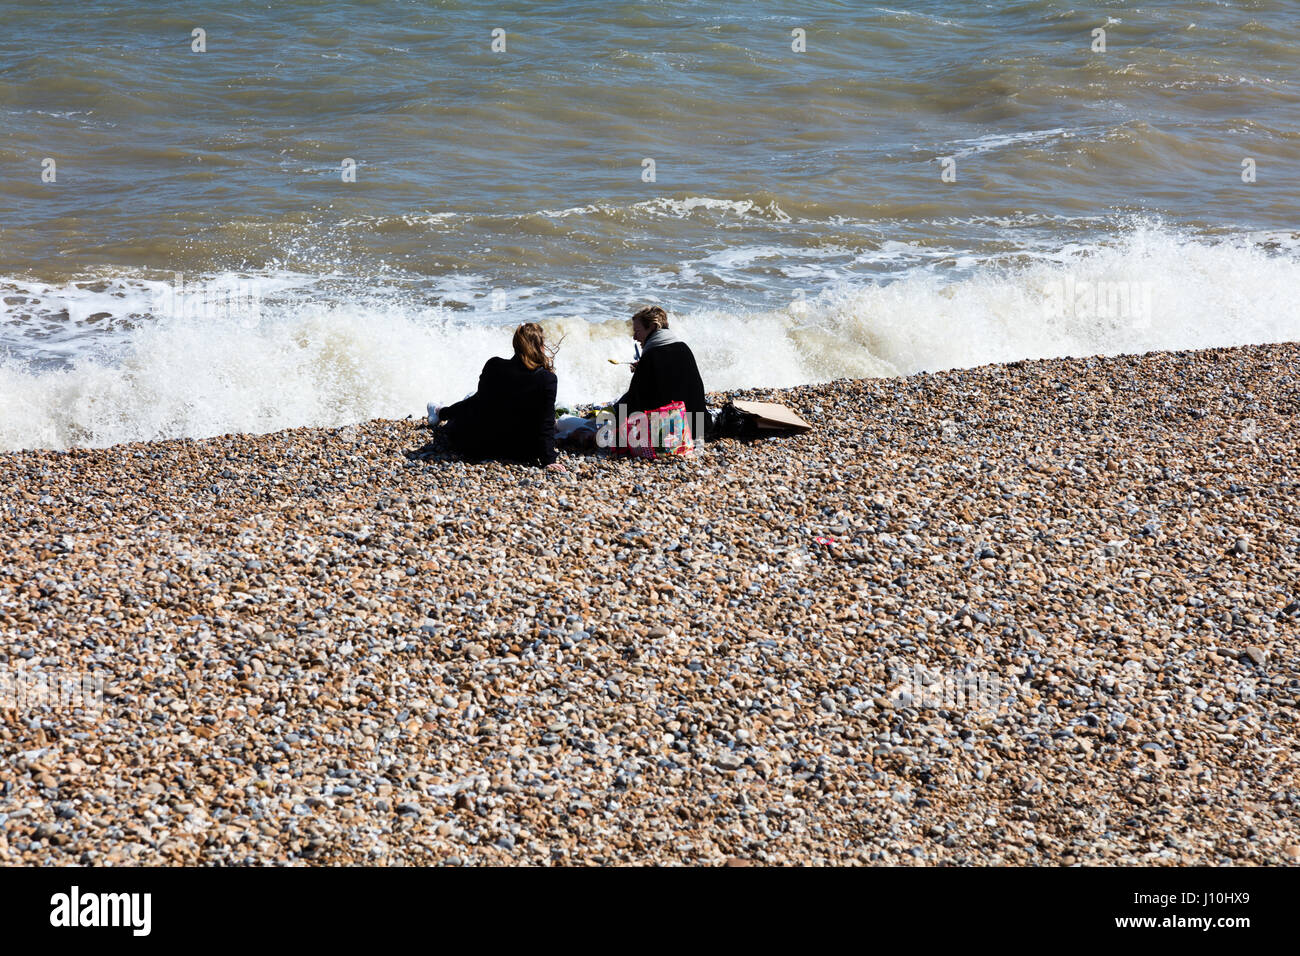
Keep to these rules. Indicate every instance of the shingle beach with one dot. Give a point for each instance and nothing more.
(1039, 613)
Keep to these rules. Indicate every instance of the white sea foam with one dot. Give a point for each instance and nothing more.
(680, 208)
(912, 14)
(984, 144)
(308, 362)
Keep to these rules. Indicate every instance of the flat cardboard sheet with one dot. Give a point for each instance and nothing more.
(774, 417)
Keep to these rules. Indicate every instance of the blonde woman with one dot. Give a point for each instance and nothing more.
(666, 371)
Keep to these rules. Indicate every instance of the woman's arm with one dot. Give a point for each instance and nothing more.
(548, 421)
(459, 408)
(634, 397)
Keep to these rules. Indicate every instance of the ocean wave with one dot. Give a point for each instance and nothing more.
(306, 361)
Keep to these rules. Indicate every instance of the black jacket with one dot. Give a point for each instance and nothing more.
(664, 375)
(512, 415)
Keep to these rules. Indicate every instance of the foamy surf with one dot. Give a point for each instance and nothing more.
(308, 360)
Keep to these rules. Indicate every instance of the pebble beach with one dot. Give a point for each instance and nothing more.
(1042, 613)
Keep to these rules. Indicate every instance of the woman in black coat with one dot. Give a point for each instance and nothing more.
(665, 373)
(512, 415)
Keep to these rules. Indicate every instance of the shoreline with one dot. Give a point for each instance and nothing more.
(315, 650)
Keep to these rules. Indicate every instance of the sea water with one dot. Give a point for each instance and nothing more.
(233, 217)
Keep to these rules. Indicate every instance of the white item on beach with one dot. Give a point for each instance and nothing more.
(773, 417)
(566, 425)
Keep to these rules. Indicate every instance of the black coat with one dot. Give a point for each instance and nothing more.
(512, 415)
(664, 375)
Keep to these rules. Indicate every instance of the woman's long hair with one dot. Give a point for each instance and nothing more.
(530, 347)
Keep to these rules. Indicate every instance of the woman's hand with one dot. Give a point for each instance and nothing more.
(556, 466)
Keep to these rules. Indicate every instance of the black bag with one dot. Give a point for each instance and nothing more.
(730, 422)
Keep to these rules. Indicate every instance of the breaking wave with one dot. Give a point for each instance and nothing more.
(115, 367)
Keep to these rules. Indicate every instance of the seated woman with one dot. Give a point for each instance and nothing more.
(665, 373)
(512, 415)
